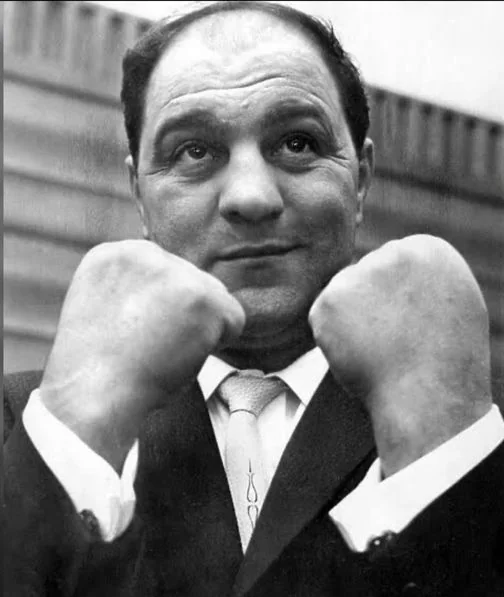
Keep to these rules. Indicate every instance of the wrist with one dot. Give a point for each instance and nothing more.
(104, 416)
(411, 421)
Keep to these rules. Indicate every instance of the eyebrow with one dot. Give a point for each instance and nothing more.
(278, 114)
(197, 118)
(284, 111)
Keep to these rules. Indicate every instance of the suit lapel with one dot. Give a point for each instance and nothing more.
(183, 493)
(331, 440)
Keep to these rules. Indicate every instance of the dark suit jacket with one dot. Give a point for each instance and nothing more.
(184, 539)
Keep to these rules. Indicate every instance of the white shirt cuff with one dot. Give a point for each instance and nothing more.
(90, 481)
(377, 506)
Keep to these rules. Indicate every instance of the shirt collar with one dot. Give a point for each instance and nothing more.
(303, 376)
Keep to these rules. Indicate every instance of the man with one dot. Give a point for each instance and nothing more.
(250, 165)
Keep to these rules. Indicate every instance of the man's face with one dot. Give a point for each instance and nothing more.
(246, 165)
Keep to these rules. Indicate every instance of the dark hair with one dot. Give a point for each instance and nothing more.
(140, 61)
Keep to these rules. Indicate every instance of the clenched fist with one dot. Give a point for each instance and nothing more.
(136, 324)
(406, 329)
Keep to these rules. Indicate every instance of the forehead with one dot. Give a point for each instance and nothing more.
(237, 59)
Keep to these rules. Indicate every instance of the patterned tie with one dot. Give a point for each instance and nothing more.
(246, 393)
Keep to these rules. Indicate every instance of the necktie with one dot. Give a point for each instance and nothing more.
(246, 393)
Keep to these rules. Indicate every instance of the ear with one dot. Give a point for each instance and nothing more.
(366, 171)
(135, 193)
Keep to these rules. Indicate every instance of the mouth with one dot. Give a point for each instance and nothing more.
(256, 251)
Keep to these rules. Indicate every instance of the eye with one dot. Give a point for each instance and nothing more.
(197, 158)
(195, 151)
(296, 151)
(298, 144)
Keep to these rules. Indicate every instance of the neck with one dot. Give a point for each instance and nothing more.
(268, 354)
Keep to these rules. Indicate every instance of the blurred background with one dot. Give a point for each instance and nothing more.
(437, 95)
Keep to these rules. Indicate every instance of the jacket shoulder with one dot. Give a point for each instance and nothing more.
(17, 389)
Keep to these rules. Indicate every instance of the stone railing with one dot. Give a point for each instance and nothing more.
(79, 46)
(75, 45)
(438, 146)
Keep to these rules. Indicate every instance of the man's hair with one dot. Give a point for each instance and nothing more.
(140, 61)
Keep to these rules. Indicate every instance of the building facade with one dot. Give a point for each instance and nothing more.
(439, 171)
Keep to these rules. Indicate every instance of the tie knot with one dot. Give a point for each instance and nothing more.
(249, 390)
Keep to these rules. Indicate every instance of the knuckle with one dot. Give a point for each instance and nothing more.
(313, 320)
(196, 297)
(318, 313)
(215, 286)
(111, 260)
(97, 258)
(421, 247)
(98, 253)
(240, 318)
(396, 255)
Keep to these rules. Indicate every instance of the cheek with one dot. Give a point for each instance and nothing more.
(328, 212)
(327, 204)
(179, 218)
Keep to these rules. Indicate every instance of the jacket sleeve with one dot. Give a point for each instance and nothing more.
(455, 547)
(49, 546)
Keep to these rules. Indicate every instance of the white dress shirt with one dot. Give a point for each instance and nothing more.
(374, 507)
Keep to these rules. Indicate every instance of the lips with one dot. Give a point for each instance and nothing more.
(250, 251)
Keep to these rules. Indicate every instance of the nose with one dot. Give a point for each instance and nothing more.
(249, 192)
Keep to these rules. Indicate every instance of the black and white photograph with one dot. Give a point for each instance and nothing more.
(253, 299)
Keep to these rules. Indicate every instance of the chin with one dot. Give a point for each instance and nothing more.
(271, 311)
